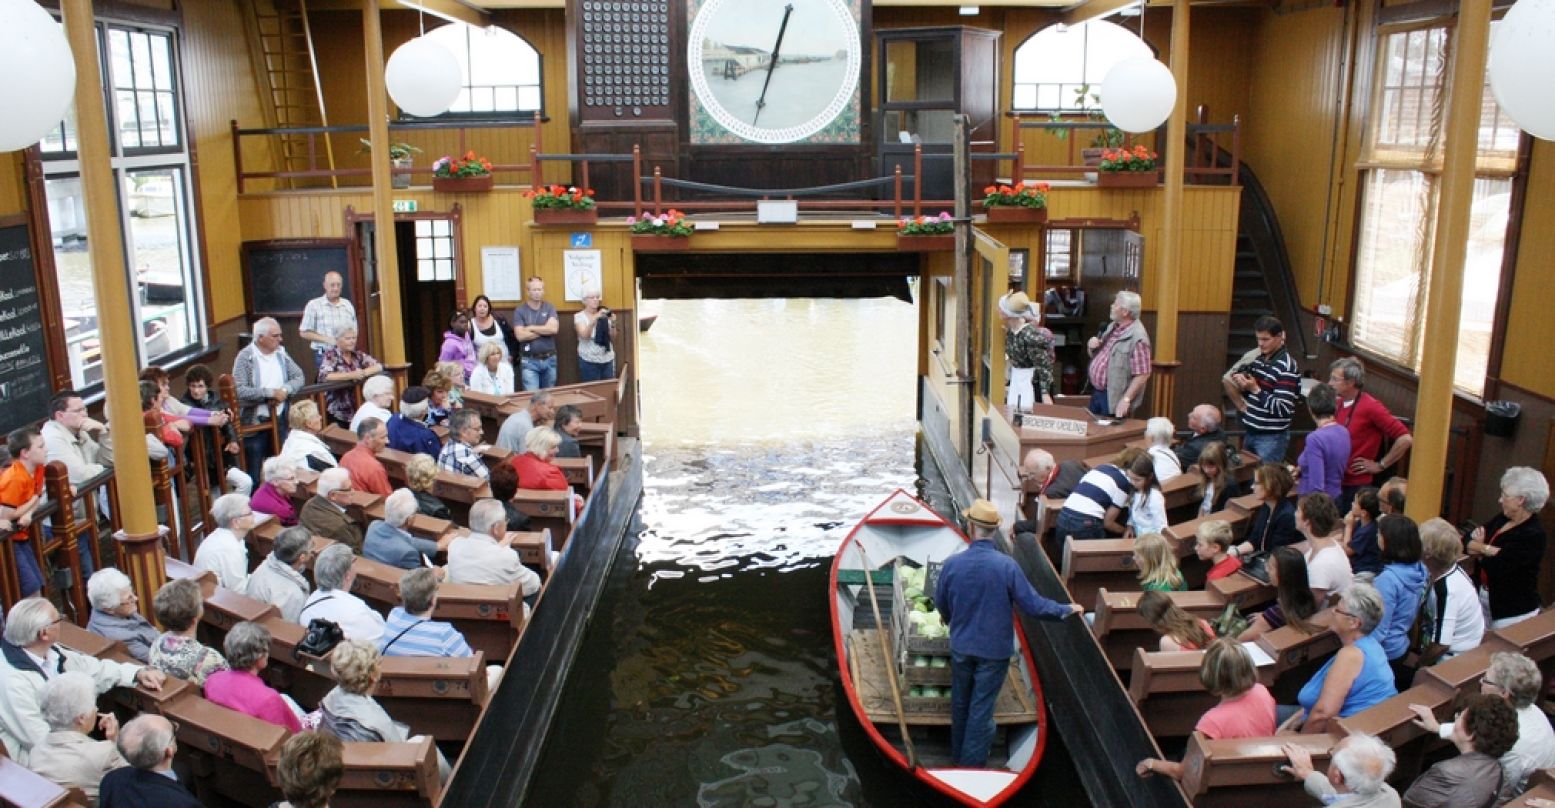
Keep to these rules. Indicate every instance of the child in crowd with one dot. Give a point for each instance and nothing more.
(1212, 543)
(21, 492)
(1180, 631)
(200, 396)
(1360, 531)
(1156, 561)
(1147, 508)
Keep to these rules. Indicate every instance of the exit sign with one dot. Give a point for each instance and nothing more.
(404, 206)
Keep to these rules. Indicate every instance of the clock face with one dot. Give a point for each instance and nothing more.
(742, 93)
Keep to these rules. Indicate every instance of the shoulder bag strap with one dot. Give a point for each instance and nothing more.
(399, 635)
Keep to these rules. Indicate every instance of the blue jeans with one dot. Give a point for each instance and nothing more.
(538, 374)
(1098, 403)
(256, 450)
(1077, 525)
(27, 572)
(1269, 446)
(596, 371)
(974, 687)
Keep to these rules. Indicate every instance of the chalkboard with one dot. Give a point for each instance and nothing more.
(282, 276)
(25, 387)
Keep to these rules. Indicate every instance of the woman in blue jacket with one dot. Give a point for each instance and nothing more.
(1402, 586)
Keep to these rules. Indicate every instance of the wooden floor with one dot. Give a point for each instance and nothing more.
(1016, 703)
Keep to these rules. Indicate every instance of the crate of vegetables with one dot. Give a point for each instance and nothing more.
(926, 699)
(917, 628)
(922, 669)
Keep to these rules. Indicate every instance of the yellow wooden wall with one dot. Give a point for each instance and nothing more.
(1529, 363)
(13, 188)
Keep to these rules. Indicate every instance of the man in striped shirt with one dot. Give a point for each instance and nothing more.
(1098, 499)
(1266, 390)
(410, 629)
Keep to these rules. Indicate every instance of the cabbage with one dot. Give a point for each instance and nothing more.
(916, 691)
(939, 662)
(921, 661)
(922, 606)
(913, 593)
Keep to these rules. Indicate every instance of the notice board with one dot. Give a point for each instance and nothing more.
(281, 276)
(25, 386)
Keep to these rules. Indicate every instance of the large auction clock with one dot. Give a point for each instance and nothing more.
(774, 71)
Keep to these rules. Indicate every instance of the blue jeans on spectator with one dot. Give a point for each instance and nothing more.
(1098, 403)
(27, 572)
(596, 371)
(1283, 712)
(256, 450)
(1077, 525)
(1269, 446)
(538, 374)
(975, 683)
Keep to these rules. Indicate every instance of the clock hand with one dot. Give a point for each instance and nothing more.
(762, 101)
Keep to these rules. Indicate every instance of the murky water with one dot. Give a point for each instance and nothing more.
(707, 676)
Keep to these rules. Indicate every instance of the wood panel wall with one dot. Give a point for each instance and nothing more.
(13, 186)
(1529, 363)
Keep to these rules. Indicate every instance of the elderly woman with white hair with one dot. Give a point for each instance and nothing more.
(68, 755)
(536, 471)
(493, 374)
(377, 398)
(1355, 678)
(1029, 350)
(114, 613)
(274, 496)
(224, 551)
(1159, 433)
(1517, 679)
(596, 328)
(387, 539)
(350, 713)
(304, 449)
(1510, 549)
(344, 363)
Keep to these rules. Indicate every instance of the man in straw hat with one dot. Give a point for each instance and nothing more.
(977, 590)
(1029, 349)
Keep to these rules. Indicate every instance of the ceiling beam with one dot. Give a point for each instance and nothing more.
(1094, 9)
(446, 9)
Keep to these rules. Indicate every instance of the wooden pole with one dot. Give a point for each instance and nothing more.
(1444, 297)
(383, 201)
(966, 309)
(885, 648)
(1169, 272)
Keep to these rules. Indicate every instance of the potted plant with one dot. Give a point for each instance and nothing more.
(1128, 168)
(462, 175)
(556, 204)
(666, 232)
(1021, 203)
(400, 156)
(1108, 138)
(926, 234)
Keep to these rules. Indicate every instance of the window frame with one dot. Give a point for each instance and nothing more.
(518, 116)
(1086, 109)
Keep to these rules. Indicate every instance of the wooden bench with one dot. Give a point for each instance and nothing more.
(1119, 628)
(1242, 772)
(1091, 565)
(21, 788)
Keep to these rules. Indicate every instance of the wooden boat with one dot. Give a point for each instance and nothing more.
(902, 527)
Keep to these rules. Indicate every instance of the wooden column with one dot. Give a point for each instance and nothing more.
(1444, 297)
(117, 329)
(393, 350)
(1169, 272)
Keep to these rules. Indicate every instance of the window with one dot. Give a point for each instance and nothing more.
(501, 70)
(434, 250)
(1059, 255)
(1060, 69)
(1401, 167)
(150, 164)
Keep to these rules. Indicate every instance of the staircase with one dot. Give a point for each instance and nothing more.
(1263, 284)
(285, 63)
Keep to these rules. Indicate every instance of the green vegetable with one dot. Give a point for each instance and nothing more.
(921, 662)
(939, 662)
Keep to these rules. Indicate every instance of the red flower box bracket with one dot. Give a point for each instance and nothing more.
(566, 216)
(1016, 213)
(1128, 179)
(934, 243)
(464, 185)
(651, 243)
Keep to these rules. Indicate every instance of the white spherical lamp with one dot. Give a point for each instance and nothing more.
(34, 53)
(1138, 94)
(423, 78)
(1522, 66)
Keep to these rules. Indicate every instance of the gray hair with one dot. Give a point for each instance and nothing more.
(367, 426)
(145, 739)
(275, 468)
(1364, 602)
(332, 480)
(1209, 416)
(486, 514)
(105, 589)
(459, 419)
(377, 386)
(228, 508)
(28, 619)
(488, 349)
(1528, 485)
(1159, 431)
(291, 543)
(416, 411)
(541, 439)
(1350, 369)
(333, 565)
(1518, 675)
(67, 697)
(265, 324)
(540, 397)
(1365, 761)
(418, 588)
(399, 507)
(246, 644)
(1130, 302)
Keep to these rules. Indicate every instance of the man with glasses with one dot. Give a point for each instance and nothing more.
(224, 551)
(325, 513)
(458, 456)
(279, 580)
(266, 377)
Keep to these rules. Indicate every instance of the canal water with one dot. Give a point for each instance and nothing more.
(707, 675)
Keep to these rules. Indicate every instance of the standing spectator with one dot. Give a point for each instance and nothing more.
(324, 514)
(21, 492)
(487, 327)
(1485, 730)
(1159, 432)
(1328, 568)
(1147, 505)
(1156, 561)
(1204, 422)
(304, 449)
(1357, 773)
(177, 653)
(1217, 485)
(486, 555)
(1265, 390)
(1212, 543)
(114, 613)
(493, 375)
(148, 742)
(516, 426)
(408, 431)
(535, 326)
(68, 755)
(389, 542)
(459, 456)
(333, 599)
(1294, 603)
(325, 317)
(978, 590)
(1120, 360)
(1098, 499)
(1274, 520)
(1370, 425)
(596, 329)
(344, 363)
(1245, 710)
(439, 388)
(224, 551)
(377, 398)
(1327, 448)
(1360, 531)
(309, 769)
(420, 476)
(1518, 680)
(1355, 678)
(1029, 351)
(266, 377)
(240, 688)
(279, 580)
(71, 437)
(457, 346)
(275, 496)
(1401, 583)
(1510, 549)
(1453, 617)
(367, 471)
(200, 392)
(569, 423)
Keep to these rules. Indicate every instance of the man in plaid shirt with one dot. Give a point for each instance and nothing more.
(326, 316)
(459, 456)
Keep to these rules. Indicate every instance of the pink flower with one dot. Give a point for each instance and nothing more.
(631, 220)
(944, 216)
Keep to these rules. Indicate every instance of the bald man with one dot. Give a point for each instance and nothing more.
(1041, 476)
(1204, 420)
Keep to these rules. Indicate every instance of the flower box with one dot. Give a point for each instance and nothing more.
(1016, 213)
(464, 185)
(1128, 179)
(651, 243)
(566, 216)
(934, 243)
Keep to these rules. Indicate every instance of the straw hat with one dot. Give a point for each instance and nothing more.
(983, 513)
(1017, 304)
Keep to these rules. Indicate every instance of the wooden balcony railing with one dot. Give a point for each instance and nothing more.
(1214, 155)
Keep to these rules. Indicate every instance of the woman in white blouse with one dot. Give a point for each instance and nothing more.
(1328, 568)
(492, 374)
(596, 352)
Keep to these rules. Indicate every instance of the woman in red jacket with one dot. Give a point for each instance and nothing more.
(535, 470)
